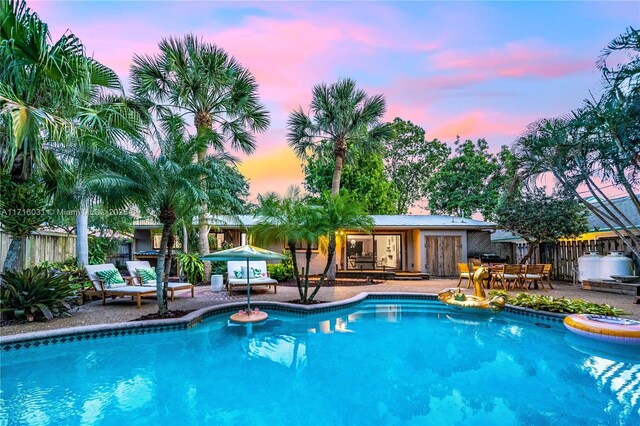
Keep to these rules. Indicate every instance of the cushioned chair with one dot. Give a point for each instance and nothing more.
(546, 274)
(258, 275)
(507, 276)
(464, 273)
(172, 287)
(533, 275)
(106, 289)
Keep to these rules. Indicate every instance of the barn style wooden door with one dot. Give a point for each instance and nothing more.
(443, 252)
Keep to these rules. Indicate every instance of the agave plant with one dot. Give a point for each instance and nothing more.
(35, 294)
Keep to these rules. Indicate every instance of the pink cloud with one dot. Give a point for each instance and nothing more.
(515, 59)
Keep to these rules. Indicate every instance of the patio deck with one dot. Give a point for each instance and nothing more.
(122, 310)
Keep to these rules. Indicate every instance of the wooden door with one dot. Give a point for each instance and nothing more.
(443, 252)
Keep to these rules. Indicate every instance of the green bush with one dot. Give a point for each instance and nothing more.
(192, 267)
(100, 248)
(36, 293)
(281, 271)
(557, 304)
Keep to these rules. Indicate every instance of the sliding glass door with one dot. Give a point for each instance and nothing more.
(378, 251)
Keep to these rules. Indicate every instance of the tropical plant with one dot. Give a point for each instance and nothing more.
(597, 146)
(190, 76)
(540, 218)
(557, 304)
(192, 267)
(100, 248)
(23, 208)
(165, 183)
(76, 276)
(469, 182)
(363, 177)
(341, 116)
(44, 84)
(282, 271)
(410, 161)
(35, 293)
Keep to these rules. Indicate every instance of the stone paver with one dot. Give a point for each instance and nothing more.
(122, 309)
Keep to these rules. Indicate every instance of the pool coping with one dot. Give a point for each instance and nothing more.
(88, 332)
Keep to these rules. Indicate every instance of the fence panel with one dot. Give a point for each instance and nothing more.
(49, 246)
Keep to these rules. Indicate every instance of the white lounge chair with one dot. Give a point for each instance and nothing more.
(134, 265)
(235, 275)
(116, 290)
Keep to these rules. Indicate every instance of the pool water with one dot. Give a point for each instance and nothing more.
(380, 362)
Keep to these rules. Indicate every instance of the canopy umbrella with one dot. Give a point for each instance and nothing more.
(246, 252)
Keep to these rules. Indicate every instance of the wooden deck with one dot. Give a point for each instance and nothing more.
(377, 274)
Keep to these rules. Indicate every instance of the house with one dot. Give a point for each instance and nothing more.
(422, 244)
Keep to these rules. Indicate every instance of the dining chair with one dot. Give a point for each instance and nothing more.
(464, 273)
(533, 275)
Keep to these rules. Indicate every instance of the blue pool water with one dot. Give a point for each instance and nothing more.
(380, 362)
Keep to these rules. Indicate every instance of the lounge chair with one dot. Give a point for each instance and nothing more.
(126, 288)
(134, 265)
(258, 274)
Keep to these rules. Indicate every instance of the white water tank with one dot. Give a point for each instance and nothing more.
(589, 266)
(616, 263)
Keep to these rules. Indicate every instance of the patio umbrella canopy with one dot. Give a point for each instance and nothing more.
(246, 252)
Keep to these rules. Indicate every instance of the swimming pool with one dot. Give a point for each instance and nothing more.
(380, 362)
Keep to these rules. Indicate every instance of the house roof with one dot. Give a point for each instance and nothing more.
(624, 204)
(381, 221)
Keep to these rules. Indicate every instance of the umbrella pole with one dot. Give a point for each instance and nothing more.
(248, 290)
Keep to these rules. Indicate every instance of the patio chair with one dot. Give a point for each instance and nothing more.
(464, 273)
(546, 274)
(258, 274)
(116, 285)
(137, 267)
(533, 275)
(507, 276)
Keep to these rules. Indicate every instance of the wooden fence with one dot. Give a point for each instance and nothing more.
(49, 246)
(564, 255)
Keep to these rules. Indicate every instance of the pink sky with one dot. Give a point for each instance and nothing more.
(474, 69)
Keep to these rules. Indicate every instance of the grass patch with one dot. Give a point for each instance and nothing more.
(557, 304)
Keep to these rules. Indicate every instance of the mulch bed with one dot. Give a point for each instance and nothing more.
(339, 282)
(167, 315)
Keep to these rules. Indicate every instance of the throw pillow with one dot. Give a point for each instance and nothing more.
(147, 275)
(111, 278)
(257, 272)
(238, 274)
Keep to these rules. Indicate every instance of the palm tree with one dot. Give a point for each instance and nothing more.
(337, 214)
(341, 116)
(162, 181)
(191, 77)
(288, 220)
(45, 88)
(43, 84)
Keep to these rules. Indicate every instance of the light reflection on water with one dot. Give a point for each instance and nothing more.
(378, 363)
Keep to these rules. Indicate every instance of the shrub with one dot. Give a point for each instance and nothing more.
(35, 294)
(100, 248)
(280, 272)
(192, 267)
(69, 270)
(557, 304)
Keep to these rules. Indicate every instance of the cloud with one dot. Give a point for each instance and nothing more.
(530, 58)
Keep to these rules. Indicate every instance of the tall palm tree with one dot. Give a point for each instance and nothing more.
(190, 77)
(341, 115)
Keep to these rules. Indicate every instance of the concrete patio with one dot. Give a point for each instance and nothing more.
(123, 310)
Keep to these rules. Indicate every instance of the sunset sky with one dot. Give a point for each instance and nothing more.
(474, 69)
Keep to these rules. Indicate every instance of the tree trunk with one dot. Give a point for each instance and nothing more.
(203, 123)
(335, 190)
(294, 260)
(185, 239)
(306, 269)
(15, 255)
(161, 289)
(82, 233)
(331, 252)
(530, 250)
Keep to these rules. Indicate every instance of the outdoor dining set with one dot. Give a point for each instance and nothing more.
(507, 276)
